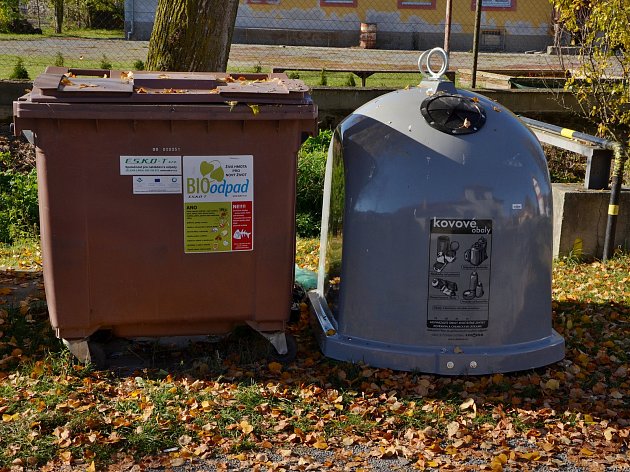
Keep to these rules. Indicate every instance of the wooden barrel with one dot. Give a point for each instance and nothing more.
(368, 36)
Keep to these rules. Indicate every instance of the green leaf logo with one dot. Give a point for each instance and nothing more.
(214, 170)
(206, 168)
(217, 174)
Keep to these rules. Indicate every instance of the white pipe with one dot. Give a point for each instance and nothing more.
(132, 22)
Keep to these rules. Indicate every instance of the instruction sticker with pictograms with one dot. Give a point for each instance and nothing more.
(460, 251)
(218, 203)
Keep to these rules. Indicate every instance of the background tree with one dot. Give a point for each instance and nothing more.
(105, 14)
(601, 32)
(9, 12)
(58, 7)
(192, 35)
(601, 81)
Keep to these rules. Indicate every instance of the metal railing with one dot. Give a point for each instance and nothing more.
(600, 153)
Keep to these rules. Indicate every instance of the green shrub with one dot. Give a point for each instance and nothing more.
(138, 65)
(106, 14)
(59, 60)
(323, 78)
(105, 63)
(350, 82)
(257, 68)
(19, 71)
(318, 143)
(19, 214)
(565, 166)
(293, 74)
(307, 225)
(310, 183)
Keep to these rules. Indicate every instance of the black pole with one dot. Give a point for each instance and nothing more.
(476, 43)
(613, 205)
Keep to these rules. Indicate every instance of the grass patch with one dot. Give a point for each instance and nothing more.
(24, 254)
(342, 79)
(348, 424)
(67, 33)
(36, 65)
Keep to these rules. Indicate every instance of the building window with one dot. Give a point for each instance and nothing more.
(338, 3)
(498, 5)
(420, 4)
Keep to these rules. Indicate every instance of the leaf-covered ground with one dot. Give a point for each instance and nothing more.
(223, 405)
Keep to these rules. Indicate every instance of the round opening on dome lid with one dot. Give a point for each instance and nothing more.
(453, 114)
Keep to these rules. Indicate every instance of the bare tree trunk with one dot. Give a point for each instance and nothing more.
(58, 7)
(192, 35)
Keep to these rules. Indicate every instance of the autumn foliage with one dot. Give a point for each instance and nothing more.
(599, 31)
(225, 404)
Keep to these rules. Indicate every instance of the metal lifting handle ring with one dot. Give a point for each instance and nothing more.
(425, 60)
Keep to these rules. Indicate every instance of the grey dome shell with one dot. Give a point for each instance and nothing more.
(394, 289)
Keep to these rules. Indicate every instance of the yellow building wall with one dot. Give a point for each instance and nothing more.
(527, 16)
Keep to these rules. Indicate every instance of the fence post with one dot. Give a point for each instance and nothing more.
(447, 25)
(476, 43)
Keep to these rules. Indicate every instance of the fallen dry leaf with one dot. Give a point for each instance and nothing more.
(468, 403)
(246, 428)
(452, 428)
(321, 444)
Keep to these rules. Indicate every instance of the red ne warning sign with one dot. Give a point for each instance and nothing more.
(242, 226)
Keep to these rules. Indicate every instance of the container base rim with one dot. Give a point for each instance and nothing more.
(473, 360)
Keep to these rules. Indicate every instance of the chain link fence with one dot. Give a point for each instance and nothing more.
(380, 35)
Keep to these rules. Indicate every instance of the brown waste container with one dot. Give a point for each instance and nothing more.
(167, 200)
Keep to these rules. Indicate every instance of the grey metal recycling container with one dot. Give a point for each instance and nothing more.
(436, 244)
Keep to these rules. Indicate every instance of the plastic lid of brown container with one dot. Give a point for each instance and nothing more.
(59, 84)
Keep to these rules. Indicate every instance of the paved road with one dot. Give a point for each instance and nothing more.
(248, 55)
